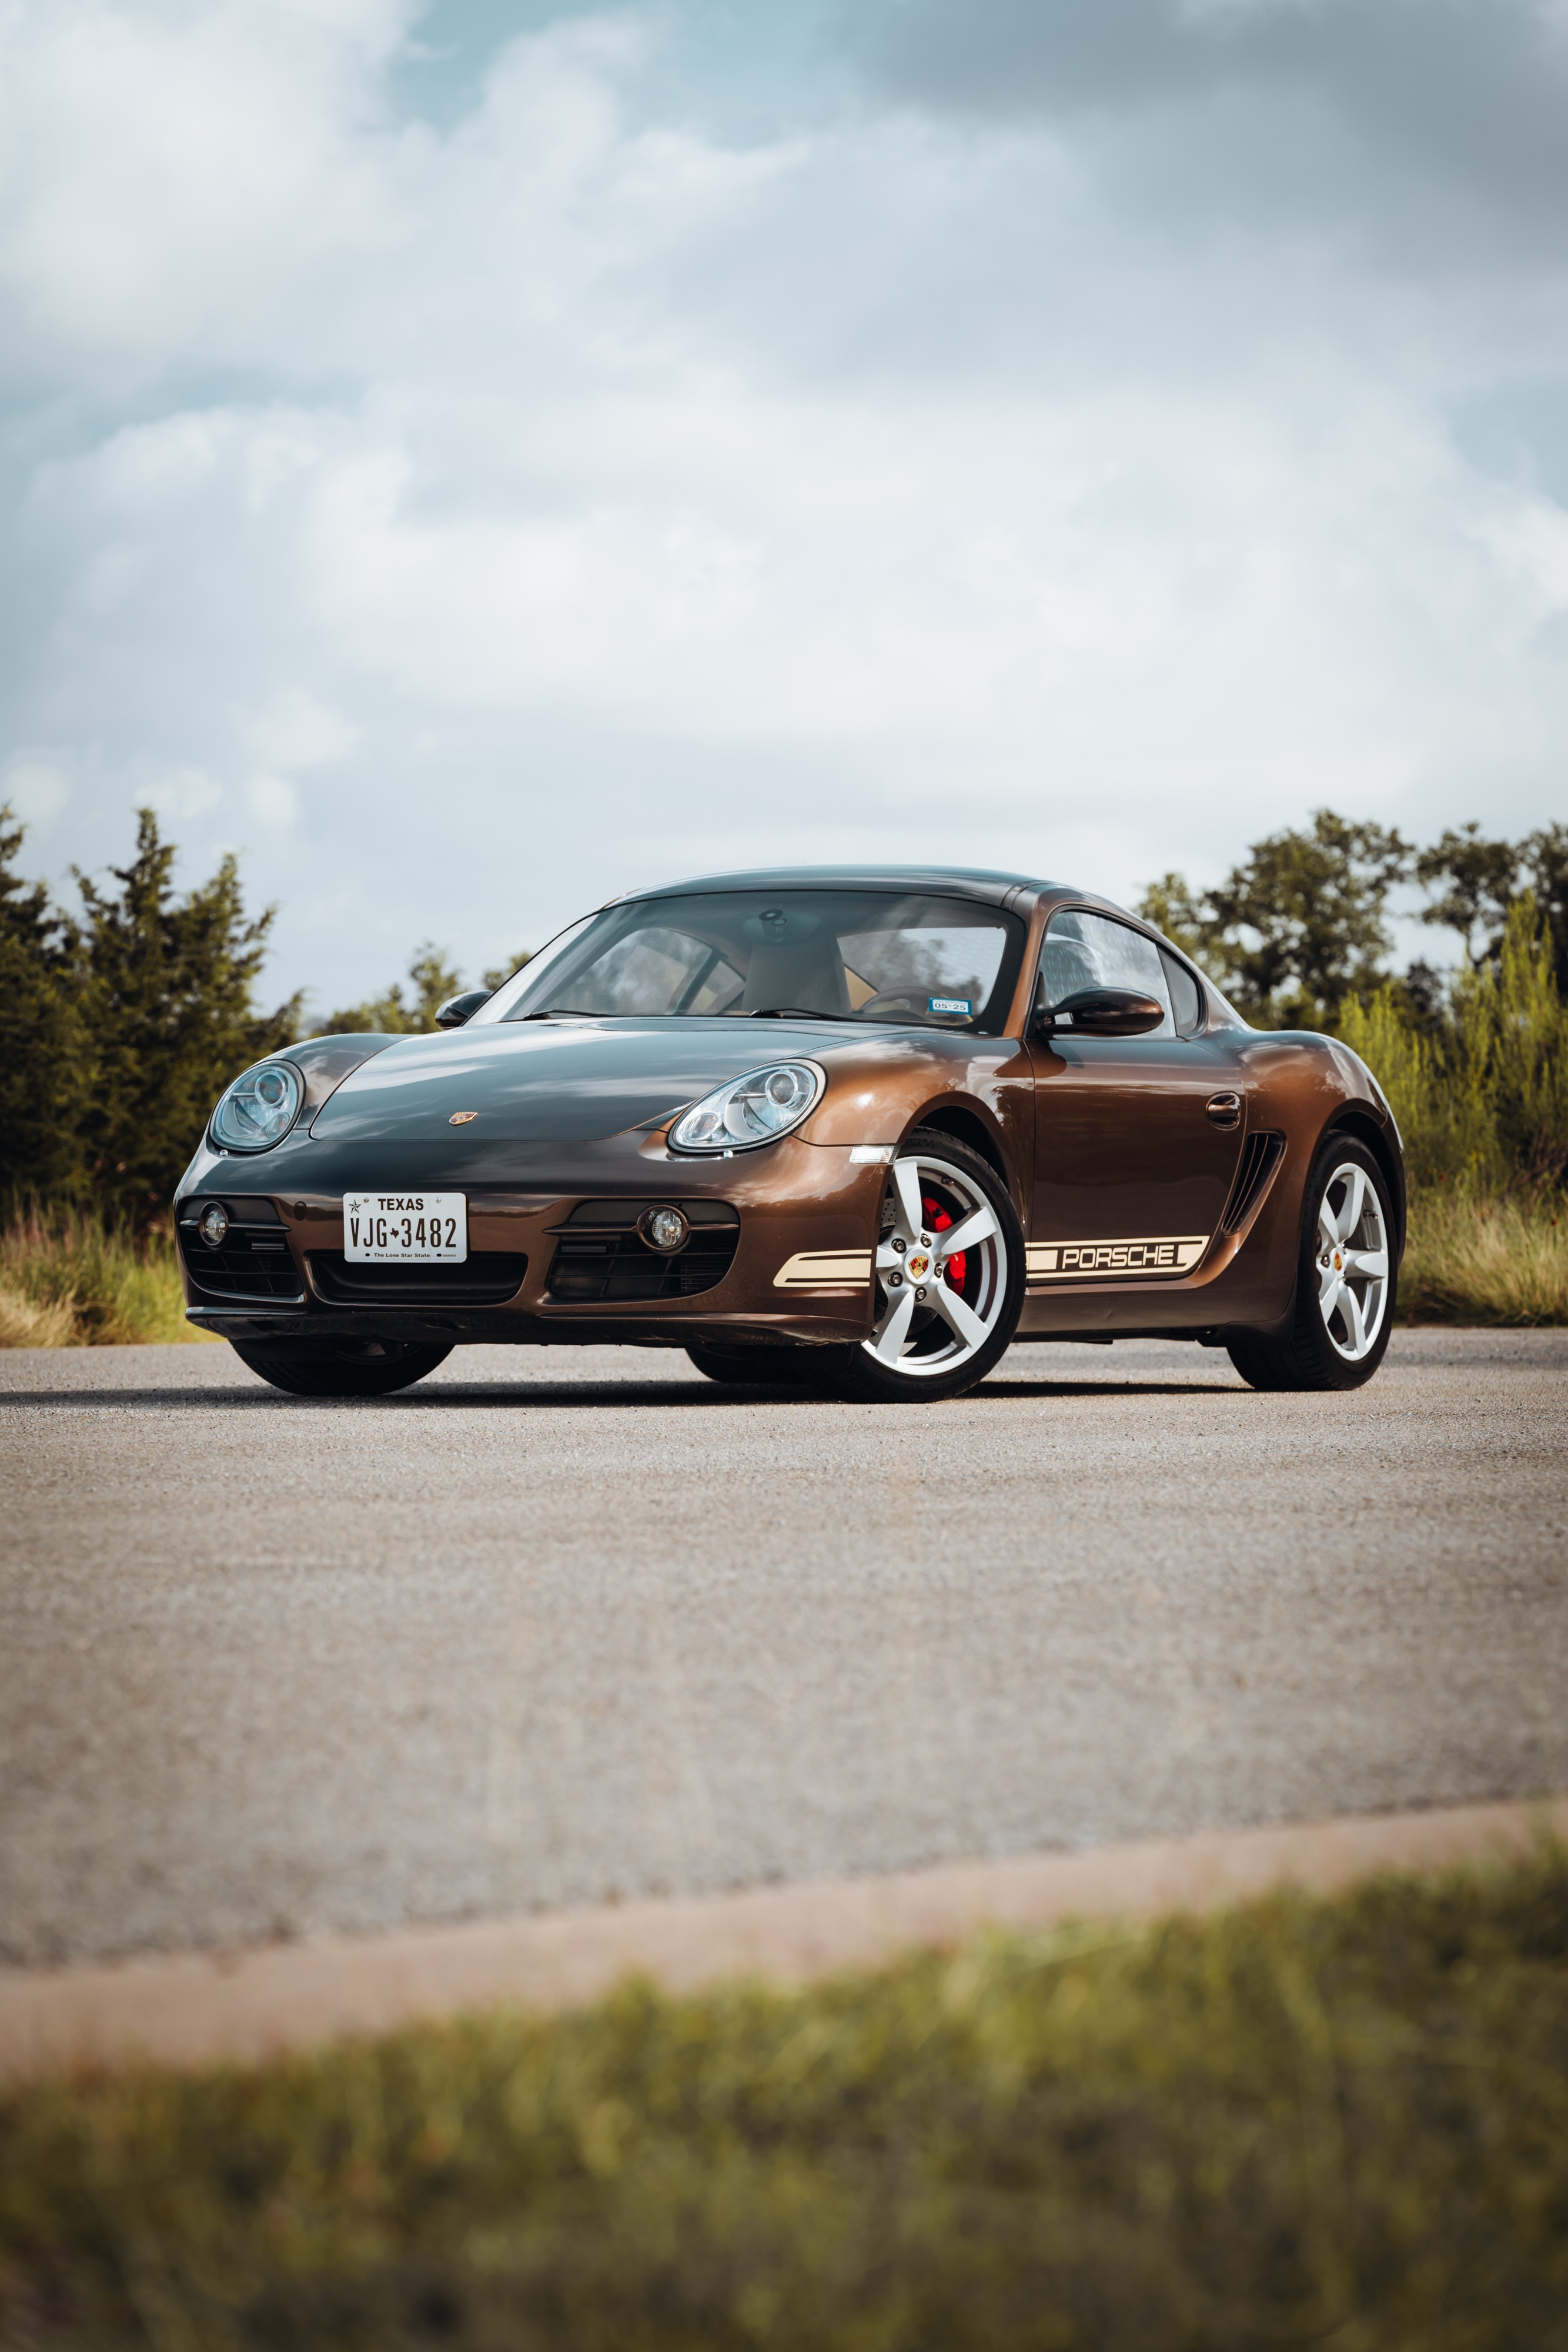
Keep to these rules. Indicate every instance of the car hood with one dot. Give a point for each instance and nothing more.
(540, 1083)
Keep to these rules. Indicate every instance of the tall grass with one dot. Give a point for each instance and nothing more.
(1480, 1258)
(1338, 2123)
(78, 1280)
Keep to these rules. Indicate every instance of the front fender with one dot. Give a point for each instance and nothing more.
(979, 1090)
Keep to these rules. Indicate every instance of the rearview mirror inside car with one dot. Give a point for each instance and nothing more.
(1102, 1012)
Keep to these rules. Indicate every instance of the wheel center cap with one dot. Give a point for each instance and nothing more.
(919, 1266)
(1338, 1263)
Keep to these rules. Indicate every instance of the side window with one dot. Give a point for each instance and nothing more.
(1186, 997)
(1084, 950)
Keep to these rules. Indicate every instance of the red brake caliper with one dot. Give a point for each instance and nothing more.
(940, 1220)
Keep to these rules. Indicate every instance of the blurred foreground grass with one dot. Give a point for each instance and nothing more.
(73, 1279)
(1338, 2122)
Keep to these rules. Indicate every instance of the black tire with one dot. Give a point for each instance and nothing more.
(992, 1287)
(784, 1367)
(1315, 1351)
(341, 1368)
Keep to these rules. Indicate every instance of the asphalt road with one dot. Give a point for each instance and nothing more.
(560, 1627)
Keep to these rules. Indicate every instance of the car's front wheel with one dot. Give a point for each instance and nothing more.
(948, 1270)
(1344, 1281)
(341, 1368)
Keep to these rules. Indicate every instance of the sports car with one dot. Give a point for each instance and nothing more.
(851, 1127)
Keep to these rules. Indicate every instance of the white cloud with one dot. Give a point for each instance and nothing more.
(274, 799)
(589, 500)
(35, 791)
(180, 795)
(175, 168)
(296, 731)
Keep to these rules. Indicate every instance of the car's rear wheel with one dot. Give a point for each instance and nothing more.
(948, 1271)
(756, 1367)
(1344, 1281)
(341, 1368)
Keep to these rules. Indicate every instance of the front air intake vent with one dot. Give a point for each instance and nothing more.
(486, 1279)
(253, 1261)
(1260, 1155)
(600, 1256)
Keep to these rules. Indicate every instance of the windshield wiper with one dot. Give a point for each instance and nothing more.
(571, 1012)
(797, 1012)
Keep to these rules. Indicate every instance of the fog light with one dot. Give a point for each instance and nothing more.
(664, 1228)
(213, 1224)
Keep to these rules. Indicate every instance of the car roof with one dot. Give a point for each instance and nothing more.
(958, 881)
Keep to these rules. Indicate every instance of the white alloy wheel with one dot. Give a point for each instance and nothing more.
(1353, 1262)
(941, 1270)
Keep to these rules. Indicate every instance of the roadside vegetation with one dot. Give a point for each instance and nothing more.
(1475, 1259)
(128, 1015)
(1477, 1079)
(1474, 1061)
(1337, 2122)
(71, 1278)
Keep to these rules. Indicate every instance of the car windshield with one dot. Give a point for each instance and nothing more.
(846, 954)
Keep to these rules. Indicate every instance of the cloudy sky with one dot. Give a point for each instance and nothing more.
(473, 458)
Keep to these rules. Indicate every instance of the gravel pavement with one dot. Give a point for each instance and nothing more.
(564, 1626)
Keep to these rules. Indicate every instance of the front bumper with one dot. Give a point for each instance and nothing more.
(808, 1216)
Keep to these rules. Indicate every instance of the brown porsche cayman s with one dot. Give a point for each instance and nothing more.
(848, 1127)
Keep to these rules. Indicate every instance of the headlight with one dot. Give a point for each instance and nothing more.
(259, 1108)
(756, 1109)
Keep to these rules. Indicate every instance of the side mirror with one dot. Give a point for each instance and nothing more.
(458, 1009)
(1102, 1012)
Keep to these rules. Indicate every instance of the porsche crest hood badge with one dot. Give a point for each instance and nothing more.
(462, 1117)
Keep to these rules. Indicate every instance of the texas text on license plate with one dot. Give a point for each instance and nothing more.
(405, 1228)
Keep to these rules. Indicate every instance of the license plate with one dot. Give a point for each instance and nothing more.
(405, 1228)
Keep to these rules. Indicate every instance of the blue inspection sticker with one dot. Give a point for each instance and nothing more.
(949, 1005)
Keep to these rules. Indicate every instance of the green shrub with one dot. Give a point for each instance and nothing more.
(1444, 1118)
(1510, 1028)
(1480, 1092)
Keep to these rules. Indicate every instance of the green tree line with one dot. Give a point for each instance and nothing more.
(1474, 1061)
(126, 1016)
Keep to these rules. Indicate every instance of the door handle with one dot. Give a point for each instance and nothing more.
(1224, 1110)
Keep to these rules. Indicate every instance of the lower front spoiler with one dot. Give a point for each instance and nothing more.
(453, 1326)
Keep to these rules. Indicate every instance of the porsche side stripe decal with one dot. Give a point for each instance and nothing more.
(1071, 1261)
(825, 1270)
